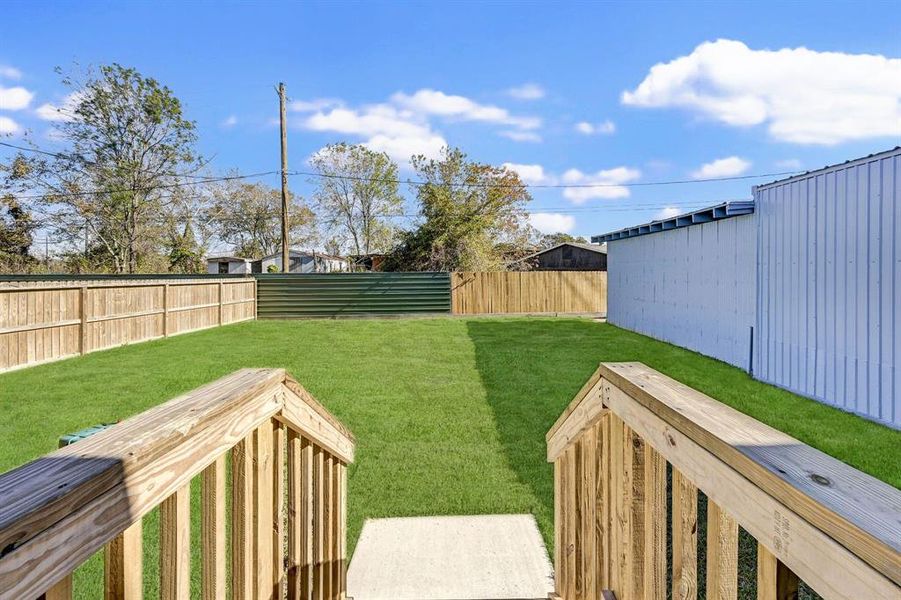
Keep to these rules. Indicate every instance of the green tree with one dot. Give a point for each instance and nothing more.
(248, 217)
(555, 239)
(128, 145)
(356, 196)
(469, 211)
(16, 227)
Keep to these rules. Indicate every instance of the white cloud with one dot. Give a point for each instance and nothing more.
(230, 121)
(14, 98)
(552, 222)
(63, 112)
(606, 128)
(520, 136)
(607, 184)
(789, 164)
(722, 167)
(803, 96)
(434, 102)
(527, 91)
(10, 72)
(403, 125)
(530, 174)
(314, 105)
(7, 125)
(667, 212)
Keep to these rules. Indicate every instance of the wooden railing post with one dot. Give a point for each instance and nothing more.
(242, 520)
(175, 545)
(61, 590)
(775, 581)
(212, 531)
(122, 565)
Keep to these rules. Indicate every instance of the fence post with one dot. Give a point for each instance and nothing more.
(220, 301)
(83, 326)
(165, 310)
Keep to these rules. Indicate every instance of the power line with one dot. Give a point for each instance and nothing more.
(545, 186)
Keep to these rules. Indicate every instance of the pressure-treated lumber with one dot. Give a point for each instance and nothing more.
(320, 528)
(175, 545)
(685, 537)
(61, 590)
(530, 292)
(123, 565)
(279, 434)
(242, 520)
(212, 531)
(298, 413)
(262, 492)
(857, 510)
(722, 554)
(775, 581)
(300, 516)
(830, 569)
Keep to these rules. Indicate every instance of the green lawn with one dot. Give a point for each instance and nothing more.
(449, 414)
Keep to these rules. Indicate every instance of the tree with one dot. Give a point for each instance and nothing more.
(555, 239)
(469, 211)
(16, 227)
(357, 194)
(129, 145)
(248, 216)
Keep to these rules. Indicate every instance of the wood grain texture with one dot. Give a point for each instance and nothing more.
(262, 514)
(300, 516)
(300, 415)
(48, 322)
(279, 576)
(116, 499)
(857, 510)
(775, 581)
(654, 497)
(175, 545)
(685, 538)
(242, 552)
(123, 565)
(588, 514)
(828, 567)
(319, 524)
(529, 292)
(61, 590)
(212, 531)
(722, 554)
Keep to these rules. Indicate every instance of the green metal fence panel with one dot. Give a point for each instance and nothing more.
(309, 295)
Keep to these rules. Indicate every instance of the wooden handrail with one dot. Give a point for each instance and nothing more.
(838, 529)
(58, 510)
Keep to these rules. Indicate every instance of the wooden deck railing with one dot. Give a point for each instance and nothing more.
(815, 519)
(58, 510)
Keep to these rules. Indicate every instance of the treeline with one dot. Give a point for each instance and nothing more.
(130, 193)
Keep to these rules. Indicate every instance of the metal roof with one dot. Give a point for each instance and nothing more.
(704, 215)
(837, 166)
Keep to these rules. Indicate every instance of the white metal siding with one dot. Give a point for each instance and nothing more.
(829, 300)
(694, 286)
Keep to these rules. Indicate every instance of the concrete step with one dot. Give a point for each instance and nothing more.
(485, 557)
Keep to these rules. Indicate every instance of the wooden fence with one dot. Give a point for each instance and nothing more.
(42, 322)
(815, 519)
(535, 292)
(288, 489)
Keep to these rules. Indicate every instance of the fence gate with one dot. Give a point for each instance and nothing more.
(305, 295)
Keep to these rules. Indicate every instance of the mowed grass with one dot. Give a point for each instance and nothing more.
(449, 414)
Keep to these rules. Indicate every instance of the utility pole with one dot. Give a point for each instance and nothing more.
(284, 130)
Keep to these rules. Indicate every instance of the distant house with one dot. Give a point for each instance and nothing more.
(222, 265)
(302, 261)
(568, 256)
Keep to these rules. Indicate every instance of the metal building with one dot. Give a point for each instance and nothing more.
(688, 280)
(803, 289)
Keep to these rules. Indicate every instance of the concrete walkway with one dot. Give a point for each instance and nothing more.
(490, 557)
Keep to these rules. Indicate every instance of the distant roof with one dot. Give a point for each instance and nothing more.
(228, 258)
(704, 215)
(828, 167)
(298, 252)
(592, 247)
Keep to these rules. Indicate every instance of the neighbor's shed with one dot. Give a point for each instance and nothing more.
(568, 256)
(303, 261)
(222, 265)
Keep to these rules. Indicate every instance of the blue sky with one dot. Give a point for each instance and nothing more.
(565, 93)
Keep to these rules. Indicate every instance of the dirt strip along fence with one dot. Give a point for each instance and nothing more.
(530, 292)
(47, 321)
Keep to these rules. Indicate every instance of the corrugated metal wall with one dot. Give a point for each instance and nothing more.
(829, 298)
(693, 286)
(291, 296)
